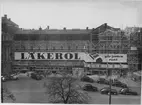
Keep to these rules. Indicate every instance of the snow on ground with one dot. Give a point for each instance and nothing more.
(126, 80)
(27, 90)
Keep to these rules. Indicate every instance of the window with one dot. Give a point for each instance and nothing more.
(61, 47)
(23, 47)
(31, 47)
(109, 37)
(76, 47)
(69, 47)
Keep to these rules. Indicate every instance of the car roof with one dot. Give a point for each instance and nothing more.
(88, 85)
(127, 89)
(113, 90)
(105, 88)
(101, 78)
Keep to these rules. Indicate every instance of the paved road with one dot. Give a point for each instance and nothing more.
(27, 90)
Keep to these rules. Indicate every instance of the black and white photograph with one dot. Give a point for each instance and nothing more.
(71, 51)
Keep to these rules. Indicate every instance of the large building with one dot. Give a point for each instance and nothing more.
(8, 30)
(87, 50)
(112, 47)
(50, 50)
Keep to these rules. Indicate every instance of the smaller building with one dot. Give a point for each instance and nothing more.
(8, 30)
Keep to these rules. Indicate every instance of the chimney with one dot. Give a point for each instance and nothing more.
(40, 28)
(105, 25)
(87, 28)
(64, 28)
(48, 27)
(5, 16)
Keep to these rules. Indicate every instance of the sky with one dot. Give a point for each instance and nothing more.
(73, 13)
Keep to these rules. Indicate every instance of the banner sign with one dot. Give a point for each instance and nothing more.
(46, 56)
(119, 58)
(120, 66)
(114, 57)
(110, 58)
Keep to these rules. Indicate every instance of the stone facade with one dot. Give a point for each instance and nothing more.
(8, 30)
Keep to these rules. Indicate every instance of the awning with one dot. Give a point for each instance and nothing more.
(120, 66)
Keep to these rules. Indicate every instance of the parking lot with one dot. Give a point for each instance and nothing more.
(27, 90)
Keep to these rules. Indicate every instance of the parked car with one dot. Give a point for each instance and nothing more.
(119, 84)
(115, 80)
(8, 77)
(103, 81)
(104, 88)
(28, 73)
(88, 73)
(136, 79)
(87, 79)
(13, 77)
(136, 76)
(36, 76)
(89, 87)
(127, 91)
(3, 78)
(107, 91)
(23, 71)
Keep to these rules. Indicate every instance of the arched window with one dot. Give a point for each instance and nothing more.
(46, 48)
(99, 60)
(69, 47)
(61, 47)
(23, 47)
(76, 47)
(53, 48)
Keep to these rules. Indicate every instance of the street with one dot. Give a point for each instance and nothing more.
(27, 90)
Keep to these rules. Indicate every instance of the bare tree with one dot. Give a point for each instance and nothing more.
(65, 90)
(7, 95)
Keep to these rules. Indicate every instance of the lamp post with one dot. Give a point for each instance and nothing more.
(110, 88)
(1, 92)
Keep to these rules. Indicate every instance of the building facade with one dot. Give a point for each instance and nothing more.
(112, 44)
(134, 53)
(8, 30)
(93, 51)
(50, 50)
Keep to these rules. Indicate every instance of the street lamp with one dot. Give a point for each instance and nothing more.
(1, 92)
(110, 86)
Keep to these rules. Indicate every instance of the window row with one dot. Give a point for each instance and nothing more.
(111, 51)
(54, 48)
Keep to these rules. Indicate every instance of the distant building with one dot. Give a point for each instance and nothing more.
(134, 35)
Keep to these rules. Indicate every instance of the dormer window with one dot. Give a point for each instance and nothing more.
(61, 47)
(53, 48)
(69, 47)
(76, 47)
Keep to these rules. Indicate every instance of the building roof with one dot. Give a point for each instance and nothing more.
(54, 31)
(103, 27)
(58, 34)
(53, 34)
(97, 30)
(8, 21)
